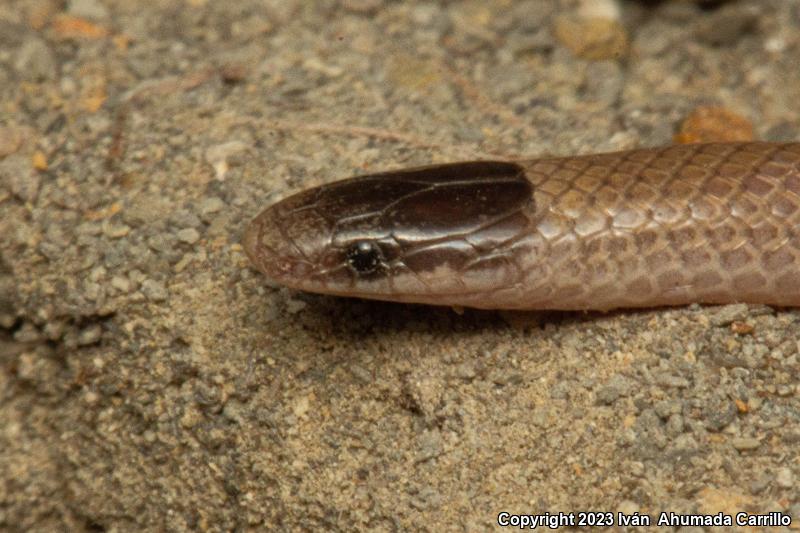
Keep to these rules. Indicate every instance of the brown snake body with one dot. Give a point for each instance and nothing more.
(705, 223)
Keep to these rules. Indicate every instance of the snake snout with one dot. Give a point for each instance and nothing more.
(284, 242)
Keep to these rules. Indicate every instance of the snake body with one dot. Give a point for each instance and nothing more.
(705, 223)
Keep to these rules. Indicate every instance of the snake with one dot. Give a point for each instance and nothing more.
(713, 223)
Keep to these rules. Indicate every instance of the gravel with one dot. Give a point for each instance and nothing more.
(152, 380)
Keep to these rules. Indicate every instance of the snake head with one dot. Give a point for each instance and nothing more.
(434, 234)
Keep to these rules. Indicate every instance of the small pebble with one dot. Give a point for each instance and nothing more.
(428, 498)
(594, 38)
(89, 9)
(154, 290)
(39, 160)
(98, 273)
(628, 507)
(22, 179)
(615, 388)
(54, 330)
(121, 283)
(67, 26)
(759, 483)
(219, 156)
(27, 366)
(185, 219)
(636, 468)
(10, 140)
(211, 205)
(90, 335)
(294, 306)
(191, 417)
(667, 408)
(115, 231)
(234, 411)
(35, 61)
(728, 314)
(361, 374)
(188, 235)
(675, 425)
(719, 413)
(714, 124)
(745, 443)
(466, 371)
(27, 333)
(784, 477)
(430, 444)
(163, 243)
(114, 257)
(670, 380)
(49, 250)
(93, 291)
(301, 406)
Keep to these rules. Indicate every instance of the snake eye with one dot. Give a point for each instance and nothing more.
(364, 257)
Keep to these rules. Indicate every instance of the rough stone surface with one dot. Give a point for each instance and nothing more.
(151, 380)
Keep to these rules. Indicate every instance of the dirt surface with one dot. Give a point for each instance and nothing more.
(151, 380)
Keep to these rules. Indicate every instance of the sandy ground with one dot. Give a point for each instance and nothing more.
(151, 380)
